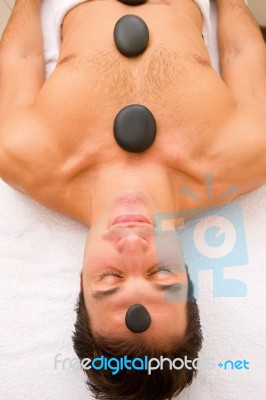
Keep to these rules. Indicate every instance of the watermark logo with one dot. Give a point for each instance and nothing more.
(211, 240)
(147, 365)
(234, 365)
(124, 363)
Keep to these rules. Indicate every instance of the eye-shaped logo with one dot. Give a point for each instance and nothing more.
(214, 236)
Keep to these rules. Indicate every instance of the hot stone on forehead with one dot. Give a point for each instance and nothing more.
(131, 35)
(137, 319)
(135, 128)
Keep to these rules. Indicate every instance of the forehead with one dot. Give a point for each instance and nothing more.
(171, 321)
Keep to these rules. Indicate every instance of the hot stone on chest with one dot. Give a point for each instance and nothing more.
(131, 35)
(135, 128)
(133, 2)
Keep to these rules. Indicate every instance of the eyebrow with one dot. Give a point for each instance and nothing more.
(101, 294)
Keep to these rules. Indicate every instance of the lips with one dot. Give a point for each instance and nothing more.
(127, 218)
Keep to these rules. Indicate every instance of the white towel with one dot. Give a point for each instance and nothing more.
(40, 258)
(52, 15)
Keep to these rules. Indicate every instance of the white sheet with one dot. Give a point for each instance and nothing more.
(40, 258)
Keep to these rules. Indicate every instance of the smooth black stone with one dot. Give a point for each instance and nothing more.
(133, 2)
(137, 318)
(131, 35)
(135, 128)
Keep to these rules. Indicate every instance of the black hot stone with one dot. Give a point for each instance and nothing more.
(138, 318)
(135, 128)
(131, 35)
(133, 2)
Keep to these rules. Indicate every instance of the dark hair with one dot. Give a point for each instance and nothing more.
(134, 384)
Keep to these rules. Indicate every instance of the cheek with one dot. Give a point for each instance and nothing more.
(97, 261)
(169, 251)
(98, 254)
(179, 324)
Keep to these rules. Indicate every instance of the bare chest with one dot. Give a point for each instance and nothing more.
(78, 109)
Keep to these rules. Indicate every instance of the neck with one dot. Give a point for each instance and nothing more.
(152, 180)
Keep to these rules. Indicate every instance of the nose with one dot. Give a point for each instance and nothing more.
(132, 243)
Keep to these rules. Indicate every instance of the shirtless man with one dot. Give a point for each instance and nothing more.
(57, 145)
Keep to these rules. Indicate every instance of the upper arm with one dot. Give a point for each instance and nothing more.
(20, 81)
(13, 142)
(245, 75)
(238, 154)
(24, 150)
(21, 58)
(242, 52)
(249, 144)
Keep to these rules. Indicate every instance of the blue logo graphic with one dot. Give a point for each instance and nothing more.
(213, 240)
(148, 364)
(235, 365)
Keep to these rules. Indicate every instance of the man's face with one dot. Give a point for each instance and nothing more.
(128, 262)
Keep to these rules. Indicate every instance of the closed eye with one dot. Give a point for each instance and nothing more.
(116, 274)
(110, 273)
(162, 268)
